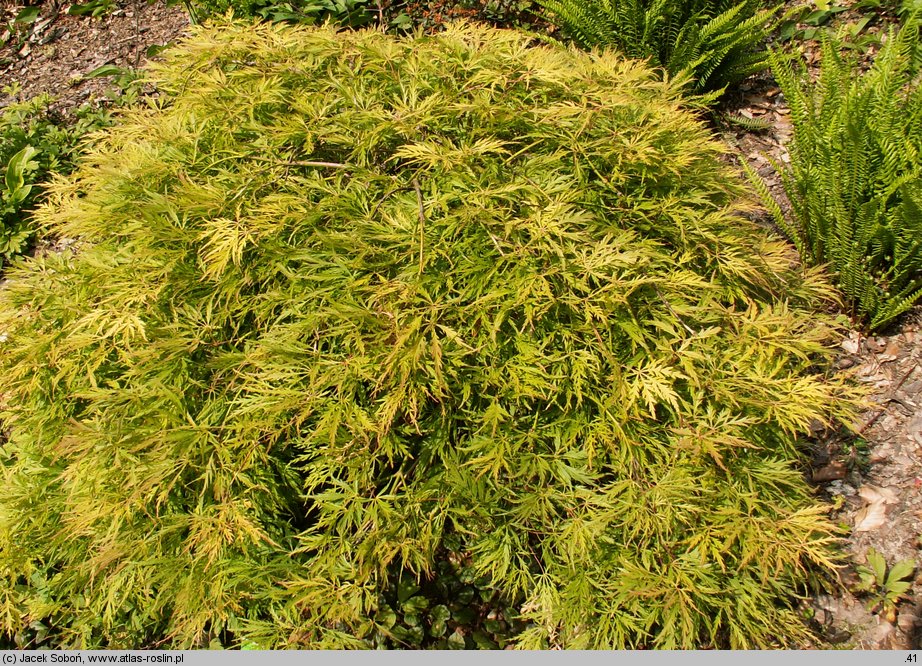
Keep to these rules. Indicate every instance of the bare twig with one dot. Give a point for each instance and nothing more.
(495, 242)
(388, 194)
(303, 163)
(880, 412)
(422, 220)
(674, 313)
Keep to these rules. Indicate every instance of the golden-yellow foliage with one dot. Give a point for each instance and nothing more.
(353, 311)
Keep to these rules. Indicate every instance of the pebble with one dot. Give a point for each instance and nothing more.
(831, 472)
(881, 633)
(839, 636)
(879, 457)
(906, 622)
(839, 487)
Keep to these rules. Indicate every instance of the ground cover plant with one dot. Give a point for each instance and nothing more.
(433, 14)
(361, 324)
(855, 177)
(397, 15)
(714, 43)
(351, 13)
(34, 142)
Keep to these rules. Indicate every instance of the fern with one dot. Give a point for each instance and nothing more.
(855, 178)
(714, 43)
(751, 124)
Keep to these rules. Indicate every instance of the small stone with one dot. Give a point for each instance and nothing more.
(906, 622)
(844, 363)
(838, 636)
(881, 633)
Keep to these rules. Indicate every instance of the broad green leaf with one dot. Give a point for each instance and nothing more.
(20, 164)
(456, 640)
(20, 194)
(27, 15)
(897, 589)
(415, 604)
(406, 589)
(901, 570)
(438, 617)
(878, 566)
(105, 70)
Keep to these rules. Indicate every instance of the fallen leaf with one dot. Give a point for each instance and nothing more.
(873, 494)
(875, 513)
(851, 344)
(871, 517)
(891, 351)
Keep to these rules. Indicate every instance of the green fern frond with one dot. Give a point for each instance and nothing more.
(771, 204)
(714, 43)
(751, 124)
(855, 172)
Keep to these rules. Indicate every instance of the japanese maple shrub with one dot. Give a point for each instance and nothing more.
(349, 307)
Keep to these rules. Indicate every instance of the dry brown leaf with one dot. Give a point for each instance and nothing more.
(875, 513)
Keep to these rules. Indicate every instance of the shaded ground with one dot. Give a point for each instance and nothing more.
(874, 476)
(874, 480)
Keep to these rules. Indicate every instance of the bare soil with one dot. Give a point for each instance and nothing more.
(55, 53)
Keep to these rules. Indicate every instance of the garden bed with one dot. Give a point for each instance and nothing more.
(874, 481)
